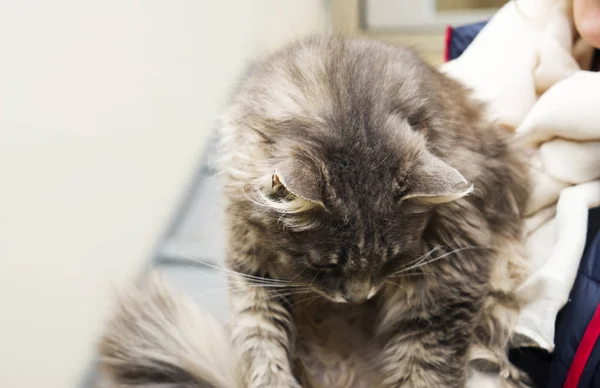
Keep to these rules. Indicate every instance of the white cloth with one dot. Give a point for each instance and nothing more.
(525, 65)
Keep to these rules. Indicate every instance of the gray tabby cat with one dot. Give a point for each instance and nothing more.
(358, 255)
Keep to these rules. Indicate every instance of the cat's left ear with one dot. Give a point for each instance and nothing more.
(434, 181)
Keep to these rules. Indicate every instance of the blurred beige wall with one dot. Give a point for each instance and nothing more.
(105, 107)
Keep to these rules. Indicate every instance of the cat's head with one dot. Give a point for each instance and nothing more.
(349, 176)
(345, 227)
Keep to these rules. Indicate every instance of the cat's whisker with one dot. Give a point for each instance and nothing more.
(306, 301)
(427, 254)
(274, 286)
(312, 281)
(274, 290)
(209, 291)
(299, 273)
(406, 274)
(437, 258)
(420, 258)
(403, 275)
(271, 293)
(392, 283)
(383, 160)
(422, 263)
(222, 277)
(232, 272)
(217, 276)
(293, 293)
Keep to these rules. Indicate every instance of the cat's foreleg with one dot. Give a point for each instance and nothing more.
(263, 333)
(424, 349)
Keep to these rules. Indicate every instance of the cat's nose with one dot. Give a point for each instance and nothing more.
(357, 292)
(355, 298)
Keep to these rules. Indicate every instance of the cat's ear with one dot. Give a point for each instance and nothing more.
(298, 179)
(434, 181)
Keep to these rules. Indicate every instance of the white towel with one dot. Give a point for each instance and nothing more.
(525, 65)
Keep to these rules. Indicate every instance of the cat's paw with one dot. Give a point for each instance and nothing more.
(279, 382)
(513, 377)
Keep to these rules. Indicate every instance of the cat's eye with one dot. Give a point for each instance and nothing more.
(322, 266)
(418, 121)
(328, 266)
(419, 126)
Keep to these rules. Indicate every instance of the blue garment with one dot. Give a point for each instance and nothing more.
(461, 37)
(551, 370)
(575, 316)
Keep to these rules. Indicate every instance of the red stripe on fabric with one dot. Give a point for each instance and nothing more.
(582, 354)
(448, 38)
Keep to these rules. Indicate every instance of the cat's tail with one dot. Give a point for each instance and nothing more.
(158, 338)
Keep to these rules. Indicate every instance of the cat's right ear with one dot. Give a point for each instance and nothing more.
(299, 181)
(434, 181)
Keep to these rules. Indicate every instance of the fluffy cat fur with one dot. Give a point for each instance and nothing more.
(160, 339)
(358, 256)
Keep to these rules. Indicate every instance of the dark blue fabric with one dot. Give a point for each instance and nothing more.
(551, 370)
(575, 316)
(462, 37)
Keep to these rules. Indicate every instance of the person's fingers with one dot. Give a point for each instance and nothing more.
(570, 110)
(571, 161)
(555, 65)
(544, 188)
